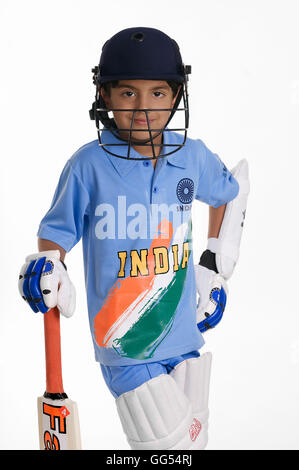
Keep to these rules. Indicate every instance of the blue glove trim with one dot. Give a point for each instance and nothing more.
(26, 289)
(34, 284)
(219, 297)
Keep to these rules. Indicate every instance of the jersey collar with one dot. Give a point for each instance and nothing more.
(178, 158)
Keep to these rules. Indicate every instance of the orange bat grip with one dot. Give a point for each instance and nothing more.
(53, 351)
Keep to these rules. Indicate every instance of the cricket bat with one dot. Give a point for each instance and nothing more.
(58, 418)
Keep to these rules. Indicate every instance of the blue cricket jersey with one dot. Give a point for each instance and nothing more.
(136, 230)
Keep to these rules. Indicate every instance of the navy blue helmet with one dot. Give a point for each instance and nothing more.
(140, 53)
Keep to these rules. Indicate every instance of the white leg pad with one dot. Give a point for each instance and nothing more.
(157, 415)
(193, 379)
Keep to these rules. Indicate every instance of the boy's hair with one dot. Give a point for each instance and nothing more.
(108, 85)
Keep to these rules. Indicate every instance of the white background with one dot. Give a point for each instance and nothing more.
(244, 99)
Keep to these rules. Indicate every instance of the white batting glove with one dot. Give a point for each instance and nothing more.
(212, 290)
(44, 283)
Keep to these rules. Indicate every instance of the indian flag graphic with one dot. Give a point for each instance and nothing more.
(139, 311)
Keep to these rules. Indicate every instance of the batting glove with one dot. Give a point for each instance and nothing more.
(212, 290)
(44, 283)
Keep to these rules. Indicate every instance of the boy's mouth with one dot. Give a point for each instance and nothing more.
(142, 122)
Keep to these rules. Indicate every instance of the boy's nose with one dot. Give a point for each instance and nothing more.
(142, 102)
(142, 115)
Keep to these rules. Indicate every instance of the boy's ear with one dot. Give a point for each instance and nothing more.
(104, 96)
(175, 97)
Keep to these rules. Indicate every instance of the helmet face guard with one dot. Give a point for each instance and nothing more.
(140, 53)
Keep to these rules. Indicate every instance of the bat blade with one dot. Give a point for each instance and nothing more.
(58, 423)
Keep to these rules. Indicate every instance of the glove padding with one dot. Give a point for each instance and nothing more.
(212, 290)
(44, 283)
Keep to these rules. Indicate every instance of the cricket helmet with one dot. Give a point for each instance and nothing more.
(139, 53)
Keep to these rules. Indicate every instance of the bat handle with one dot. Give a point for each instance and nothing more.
(54, 386)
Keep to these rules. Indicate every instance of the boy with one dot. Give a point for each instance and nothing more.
(129, 195)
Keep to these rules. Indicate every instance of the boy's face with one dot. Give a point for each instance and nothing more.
(140, 94)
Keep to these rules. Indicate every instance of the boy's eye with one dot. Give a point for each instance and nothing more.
(128, 93)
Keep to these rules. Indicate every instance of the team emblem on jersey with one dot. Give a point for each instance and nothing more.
(185, 190)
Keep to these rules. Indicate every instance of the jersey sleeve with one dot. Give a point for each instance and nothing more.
(216, 185)
(63, 223)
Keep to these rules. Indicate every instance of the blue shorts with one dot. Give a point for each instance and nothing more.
(121, 379)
